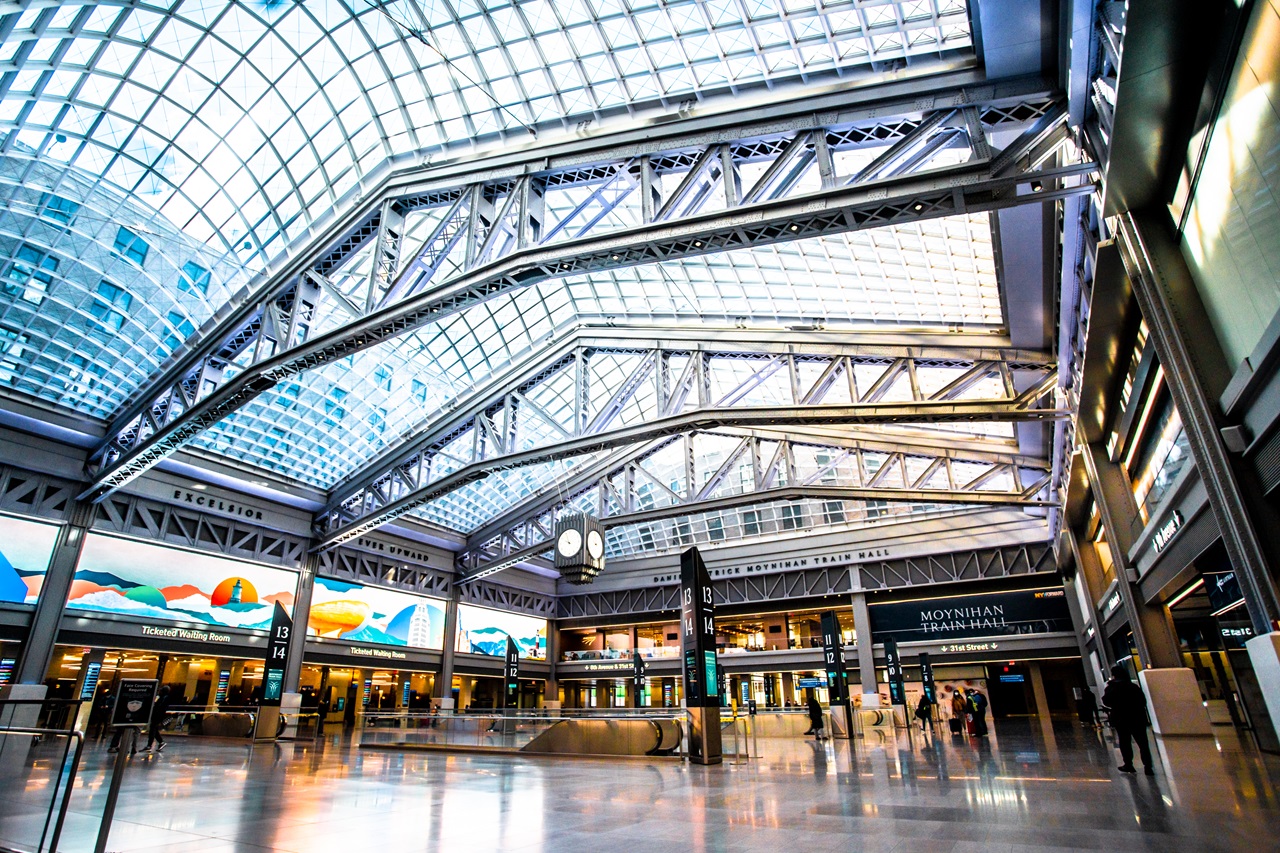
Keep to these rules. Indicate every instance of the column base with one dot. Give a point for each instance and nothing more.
(704, 736)
(1173, 698)
(1264, 654)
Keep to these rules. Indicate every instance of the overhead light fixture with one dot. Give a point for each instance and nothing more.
(1037, 186)
(795, 227)
(918, 207)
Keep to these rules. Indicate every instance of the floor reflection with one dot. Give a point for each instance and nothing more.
(1028, 785)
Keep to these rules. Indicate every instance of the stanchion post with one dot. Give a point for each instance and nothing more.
(113, 792)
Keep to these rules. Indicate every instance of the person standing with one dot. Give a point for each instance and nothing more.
(959, 708)
(159, 711)
(978, 707)
(924, 712)
(815, 717)
(1126, 705)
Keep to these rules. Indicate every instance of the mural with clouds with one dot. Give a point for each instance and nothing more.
(154, 582)
(484, 632)
(25, 548)
(370, 614)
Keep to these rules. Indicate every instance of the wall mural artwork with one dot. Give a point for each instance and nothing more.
(25, 548)
(370, 614)
(153, 582)
(483, 631)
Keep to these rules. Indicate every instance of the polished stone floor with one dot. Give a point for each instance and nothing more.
(1024, 789)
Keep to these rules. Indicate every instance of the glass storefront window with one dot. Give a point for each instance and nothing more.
(1163, 455)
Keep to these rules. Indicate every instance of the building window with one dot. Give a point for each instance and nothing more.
(11, 349)
(1163, 453)
(58, 209)
(192, 278)
(184, 328)
(715, 528)
(833, 512)
(333, 409)
(110, 305)
(30, 274)
(131, 247)
(750, 523)
(792, 516)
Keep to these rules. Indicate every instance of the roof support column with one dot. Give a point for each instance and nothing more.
(442, 695)
(1196, 371)
(37, 651)
(1152, 625)
(866, 650)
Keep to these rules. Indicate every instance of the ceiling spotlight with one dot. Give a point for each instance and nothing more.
(1037, 186)
(697, 243)
(617, 257)
(917, 207)
(795, 227)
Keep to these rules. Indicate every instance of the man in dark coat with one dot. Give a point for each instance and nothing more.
(159, 711)
(1127, 708)
(815, 716)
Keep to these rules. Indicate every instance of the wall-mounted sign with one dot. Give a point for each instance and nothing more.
(1223, 589)
(969, 647)
(358, 613)
(1166, 531)
(187, 634)
(384, 654)
(483, 631)
(1021, 612)
(6, 670)
(1113, 603)
(1234, 636)
(811, 682)
(817, 561)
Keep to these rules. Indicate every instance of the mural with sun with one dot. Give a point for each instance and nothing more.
(131, 578)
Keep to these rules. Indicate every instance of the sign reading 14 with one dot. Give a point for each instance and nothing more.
(708, 626)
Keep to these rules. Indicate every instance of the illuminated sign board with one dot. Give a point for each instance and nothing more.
(1167, 531)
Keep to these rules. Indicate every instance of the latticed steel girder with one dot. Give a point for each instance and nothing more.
(498, 233)
(572, 405)
(750, 470)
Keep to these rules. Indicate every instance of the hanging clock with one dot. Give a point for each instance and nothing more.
(579, 548)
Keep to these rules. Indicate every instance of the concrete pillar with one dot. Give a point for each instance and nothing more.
(443, 692)
(1151, 624)
(866, 651)
(788, 689)
(301, 607)
(1037, 690)
(37, 651)
(551, 692)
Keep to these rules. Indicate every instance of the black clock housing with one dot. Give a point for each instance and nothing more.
(578, 566)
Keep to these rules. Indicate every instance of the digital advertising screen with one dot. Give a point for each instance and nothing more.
(153, 582)
(483, 631)
(371, 614)
(25, 549)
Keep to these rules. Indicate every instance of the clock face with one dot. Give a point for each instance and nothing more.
(595, 544)
(570, 543)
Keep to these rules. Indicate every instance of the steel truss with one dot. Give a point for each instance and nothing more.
(809, 583)
(568, 407)
(635, 490)
(496, 214)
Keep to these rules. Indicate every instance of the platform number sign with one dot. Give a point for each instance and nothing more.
(511, 672)
(698, 632)
(277, 656)
(926, 679)
(893, 669)
(833, 659)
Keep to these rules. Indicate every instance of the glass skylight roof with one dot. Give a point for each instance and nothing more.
(158, 155)
(242, 122)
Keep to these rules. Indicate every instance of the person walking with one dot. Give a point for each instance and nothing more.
(815, 717)
(159, 711)
(1126, 706)
(924, 712)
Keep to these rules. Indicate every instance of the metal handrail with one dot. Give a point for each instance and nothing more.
(57, 784)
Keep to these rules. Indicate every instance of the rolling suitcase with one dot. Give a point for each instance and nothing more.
(954, 722)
